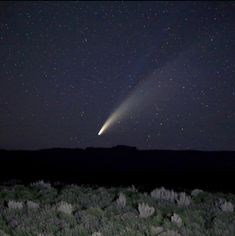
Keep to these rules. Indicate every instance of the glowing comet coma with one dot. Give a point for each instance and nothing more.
(108, 123)
(114, 117)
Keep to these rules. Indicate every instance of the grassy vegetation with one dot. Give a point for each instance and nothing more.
(41, 209)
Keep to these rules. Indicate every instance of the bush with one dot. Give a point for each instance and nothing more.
(32, 205)
(183, 199)
(83, 211)
(65, 208)
(224, 206)
(41, 184)
(176, 219)
(15, 205)
(163, 194)
(121, 201)
(196, 192)
(145, 210)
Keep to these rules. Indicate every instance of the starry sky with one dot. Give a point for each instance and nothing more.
(66, 66)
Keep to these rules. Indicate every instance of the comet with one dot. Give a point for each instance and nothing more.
(116, 116)
(132, 104)
(149, 93)
(108, 123)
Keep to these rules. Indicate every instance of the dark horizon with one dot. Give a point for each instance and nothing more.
(123, 166)
(117, 146)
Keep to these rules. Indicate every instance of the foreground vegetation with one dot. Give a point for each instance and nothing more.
(41, 209)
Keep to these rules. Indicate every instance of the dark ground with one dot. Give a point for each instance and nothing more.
(212, 171)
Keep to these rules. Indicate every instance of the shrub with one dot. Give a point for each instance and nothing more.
(145, 210)
(176, 219)
(15, 205)
(163, 194)
(132, 188)
(224, 205)
(121, 201)
(156, 230)
(183, 199)
(65, 208)
(32, 205)
(227, 207)
(41, 184)
(195, 192)
(70, 211)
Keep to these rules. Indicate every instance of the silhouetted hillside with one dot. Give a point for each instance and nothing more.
(122, 165)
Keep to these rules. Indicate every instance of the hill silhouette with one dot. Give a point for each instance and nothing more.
(123, 165)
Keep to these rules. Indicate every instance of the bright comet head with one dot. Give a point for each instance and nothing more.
(113, 117)
(120, 112)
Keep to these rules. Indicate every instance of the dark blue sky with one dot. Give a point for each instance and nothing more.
(66, 66)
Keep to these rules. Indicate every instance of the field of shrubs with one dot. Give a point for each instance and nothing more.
(43, 209)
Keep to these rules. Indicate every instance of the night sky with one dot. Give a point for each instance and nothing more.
(65, 67)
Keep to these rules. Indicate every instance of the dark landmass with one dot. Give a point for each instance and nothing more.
(121, 165)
